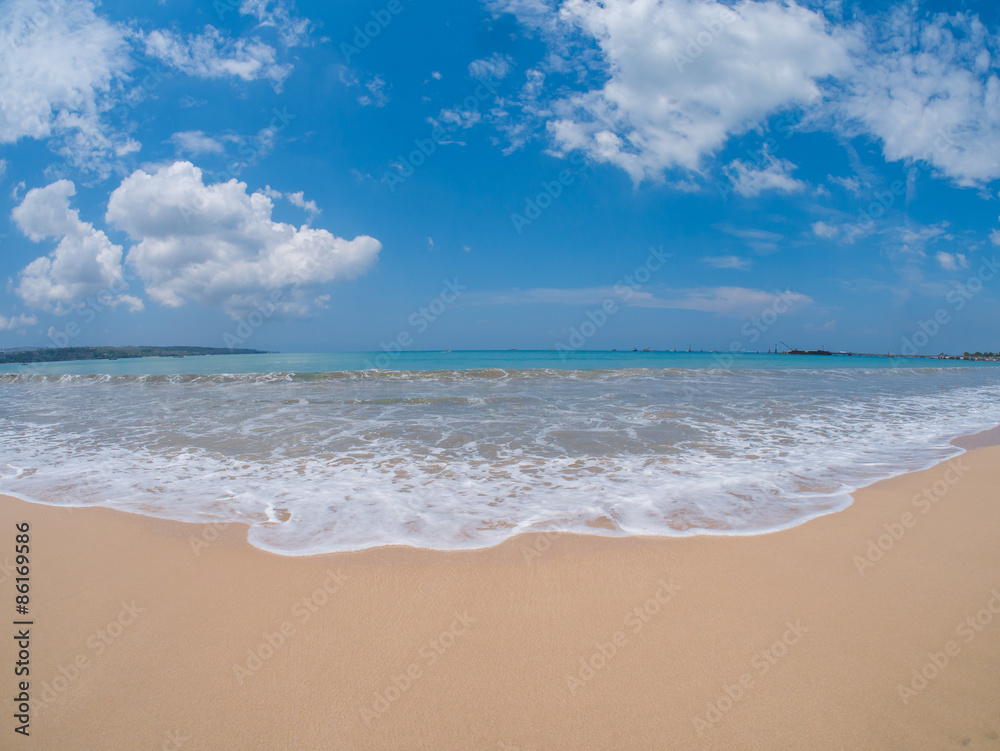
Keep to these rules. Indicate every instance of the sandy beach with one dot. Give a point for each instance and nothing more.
(874, 628)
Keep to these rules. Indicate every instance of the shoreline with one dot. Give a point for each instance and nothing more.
(546, 641)
(964, 443)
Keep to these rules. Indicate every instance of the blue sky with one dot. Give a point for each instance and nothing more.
(508, 173)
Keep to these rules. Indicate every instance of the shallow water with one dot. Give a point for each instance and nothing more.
(327, 461)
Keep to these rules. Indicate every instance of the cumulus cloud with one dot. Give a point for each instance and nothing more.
(682, 77)
(929, 91)
(84, 263)
(212, 55)
(17, 322)
(217, 244)
(60, 65)
(63, 68)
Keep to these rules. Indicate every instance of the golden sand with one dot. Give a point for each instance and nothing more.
(851, 631)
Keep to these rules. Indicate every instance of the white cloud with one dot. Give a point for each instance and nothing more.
(725, 300)
(850, 184)
(374, 91)
(3, 168)
(761, 241)
(952, 261)
(680, 78)
(60, 65)
(720, 300)
(684, 76)
(751, 180)
(459, 118)
(552, 295)
(293, 30)
(17, 322)
(929, 91)
(494, 68)
(216, 244)
(84, 263)
(914, 239)
(727, 262)
(211, 55)
(296, 199)
(750, 235)
(822, 229)
(376, 95)
(196, 142)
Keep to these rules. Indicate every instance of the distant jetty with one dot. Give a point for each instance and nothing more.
(67, 354)
(977, 356)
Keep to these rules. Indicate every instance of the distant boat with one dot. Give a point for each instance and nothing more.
(808, 352)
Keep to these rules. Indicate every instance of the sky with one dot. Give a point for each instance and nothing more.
(532, 174)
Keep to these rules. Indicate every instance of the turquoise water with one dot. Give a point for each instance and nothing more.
(465, 449)
(585, 360)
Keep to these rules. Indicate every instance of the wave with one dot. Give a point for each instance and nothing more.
(318, 462)
(470, 374)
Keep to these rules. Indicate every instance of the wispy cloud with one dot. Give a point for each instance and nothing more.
(727, 262)
(952, 261)
(212, 54)
(719, 300)
(195, 142)
(751, 180)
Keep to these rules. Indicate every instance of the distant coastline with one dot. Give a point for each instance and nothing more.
(25, 355)
(67, 354)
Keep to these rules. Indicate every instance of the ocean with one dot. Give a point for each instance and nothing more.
(452, 450)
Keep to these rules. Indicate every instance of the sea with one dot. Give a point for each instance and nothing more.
(453, 450)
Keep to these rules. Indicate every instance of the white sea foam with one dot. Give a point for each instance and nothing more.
(457, 459)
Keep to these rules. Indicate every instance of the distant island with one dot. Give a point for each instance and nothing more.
(64, 354)
(993, 356)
